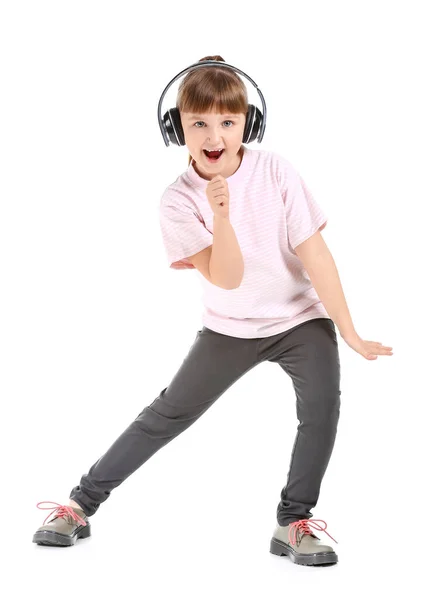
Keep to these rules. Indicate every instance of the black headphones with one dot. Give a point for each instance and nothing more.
(171, 124)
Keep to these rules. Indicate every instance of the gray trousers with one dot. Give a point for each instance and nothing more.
(309, 355)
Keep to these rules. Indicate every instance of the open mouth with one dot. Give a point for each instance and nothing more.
(213, 157)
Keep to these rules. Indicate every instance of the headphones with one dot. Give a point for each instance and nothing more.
(171, 124)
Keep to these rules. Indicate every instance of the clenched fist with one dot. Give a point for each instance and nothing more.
(217, 193)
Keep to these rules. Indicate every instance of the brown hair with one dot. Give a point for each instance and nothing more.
(211, 88)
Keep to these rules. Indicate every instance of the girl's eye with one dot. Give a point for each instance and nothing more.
(228, 121)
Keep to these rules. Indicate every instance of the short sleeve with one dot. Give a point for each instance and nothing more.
(183, 232)
(304, 216)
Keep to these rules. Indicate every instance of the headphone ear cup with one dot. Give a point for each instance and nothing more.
(252, 125)
(173, 126)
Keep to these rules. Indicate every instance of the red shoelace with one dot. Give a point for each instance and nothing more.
(62, 510)
(304, 526)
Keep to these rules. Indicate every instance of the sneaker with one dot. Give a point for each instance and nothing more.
(297, 541)
(68, 525)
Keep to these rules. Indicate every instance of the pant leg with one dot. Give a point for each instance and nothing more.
(309, 354)
(214, 362)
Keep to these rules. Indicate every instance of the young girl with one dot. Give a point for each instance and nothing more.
(245, 220)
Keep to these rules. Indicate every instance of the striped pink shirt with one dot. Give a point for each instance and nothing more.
(272, 211)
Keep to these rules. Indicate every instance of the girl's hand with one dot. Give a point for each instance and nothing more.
(218, 196)
(368, 350)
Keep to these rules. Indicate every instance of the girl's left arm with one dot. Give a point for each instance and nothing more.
(320, 266)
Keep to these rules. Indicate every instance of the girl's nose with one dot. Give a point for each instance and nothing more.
(212, 139)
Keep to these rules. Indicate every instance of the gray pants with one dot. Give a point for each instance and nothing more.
(309, 355)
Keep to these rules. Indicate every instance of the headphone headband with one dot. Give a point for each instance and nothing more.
(214, 63)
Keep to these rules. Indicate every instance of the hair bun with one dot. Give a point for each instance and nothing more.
(217, 57)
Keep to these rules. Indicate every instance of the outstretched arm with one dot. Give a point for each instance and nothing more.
(320, 266)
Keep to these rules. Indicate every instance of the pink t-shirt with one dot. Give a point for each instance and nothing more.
(272, 211)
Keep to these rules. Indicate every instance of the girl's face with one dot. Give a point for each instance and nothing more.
(212, 131)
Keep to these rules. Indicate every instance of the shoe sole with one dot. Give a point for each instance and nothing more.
(51, 538)
(321, 558)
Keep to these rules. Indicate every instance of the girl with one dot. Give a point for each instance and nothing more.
(271, 293)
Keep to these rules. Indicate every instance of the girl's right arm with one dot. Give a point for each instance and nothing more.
(222, 262)
(226, 265)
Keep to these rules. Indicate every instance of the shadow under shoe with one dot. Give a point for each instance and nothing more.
(299, 543)
(68, 525)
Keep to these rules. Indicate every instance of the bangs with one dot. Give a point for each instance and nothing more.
(213, 93)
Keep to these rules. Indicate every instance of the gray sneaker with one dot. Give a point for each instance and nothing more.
(68, 525)
(297, 541)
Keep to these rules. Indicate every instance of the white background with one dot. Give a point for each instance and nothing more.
(94, 324)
